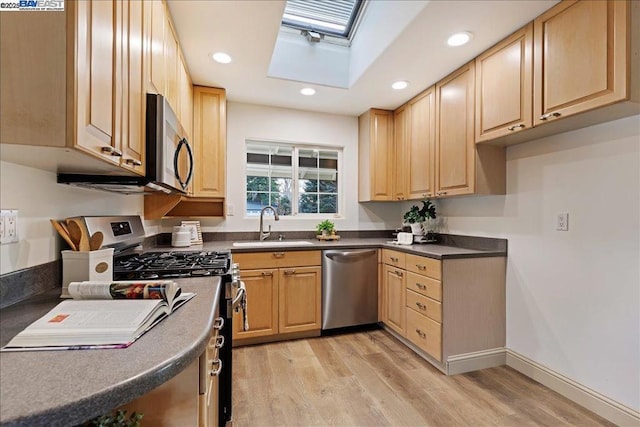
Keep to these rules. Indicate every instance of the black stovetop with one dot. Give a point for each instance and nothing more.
(153, 265)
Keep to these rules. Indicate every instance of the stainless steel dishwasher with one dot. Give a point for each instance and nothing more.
(349, 287)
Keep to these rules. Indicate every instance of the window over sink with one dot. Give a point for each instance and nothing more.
(296, 179)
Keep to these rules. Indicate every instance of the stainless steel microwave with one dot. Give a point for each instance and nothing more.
(169, 158)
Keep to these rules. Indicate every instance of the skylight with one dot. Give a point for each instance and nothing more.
(329, 17)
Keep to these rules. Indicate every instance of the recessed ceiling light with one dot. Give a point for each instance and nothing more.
(308, 91)
(221, 57)
(400, 84)
(458, 39)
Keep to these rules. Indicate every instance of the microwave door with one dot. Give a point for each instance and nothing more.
(177, 158)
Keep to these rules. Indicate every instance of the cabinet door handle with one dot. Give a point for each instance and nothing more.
(421, 267)
(421, 334)
(421, 306)
(216, 372)
(393, 259)
(267, 273)
(397, 273)
(289, 272)
(218, 323)
(514, 127)
(278, 254)
(133, 162)
(441, 193)
(421, 286)
(550, 115)
(219, 341)
(110, 150)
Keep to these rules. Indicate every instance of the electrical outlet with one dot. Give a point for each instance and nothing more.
(562, 222)
(9, 226)
(230, 210)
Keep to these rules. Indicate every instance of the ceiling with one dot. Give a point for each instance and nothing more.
(397, 40)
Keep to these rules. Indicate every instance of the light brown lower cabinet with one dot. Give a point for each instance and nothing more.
(174, 403)
(282, 302)
(452, 311)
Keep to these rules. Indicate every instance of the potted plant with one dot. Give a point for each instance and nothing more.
(326, 228)
(416, 216)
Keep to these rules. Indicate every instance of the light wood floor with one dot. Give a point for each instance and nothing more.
(371, 379)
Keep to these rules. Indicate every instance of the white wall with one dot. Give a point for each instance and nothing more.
(246, 121)
(39, 198)
(573, 298)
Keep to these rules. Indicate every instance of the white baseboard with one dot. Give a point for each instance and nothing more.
(461, 363)
(584, 396)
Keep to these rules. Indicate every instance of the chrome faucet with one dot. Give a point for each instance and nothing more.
(264, 235)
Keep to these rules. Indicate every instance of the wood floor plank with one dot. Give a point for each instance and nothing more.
(371, 379)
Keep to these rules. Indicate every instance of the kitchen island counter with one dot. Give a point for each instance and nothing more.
(61, 388)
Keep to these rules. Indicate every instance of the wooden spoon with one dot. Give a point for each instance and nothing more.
(95, 242)
(78, 234)
(62, 231)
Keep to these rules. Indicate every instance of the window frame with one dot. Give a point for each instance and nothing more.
(295, 193)
(346, 35)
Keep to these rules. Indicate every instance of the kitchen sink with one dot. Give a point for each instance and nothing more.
(271, 243)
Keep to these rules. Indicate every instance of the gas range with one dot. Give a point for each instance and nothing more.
(160, 265)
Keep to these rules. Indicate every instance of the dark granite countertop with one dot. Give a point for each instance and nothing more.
(438, 251)
(61, 388)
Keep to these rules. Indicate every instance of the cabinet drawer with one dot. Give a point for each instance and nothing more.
(425, 266)
(424, 305)
(424, 285)
(276, 259)
(425, 333)
(397, 259)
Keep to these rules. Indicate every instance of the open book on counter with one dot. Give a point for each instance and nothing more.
(102, 315)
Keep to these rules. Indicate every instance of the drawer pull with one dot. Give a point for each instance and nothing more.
(133, 162)
(421, 267)
(514, 127)
(393, 259)
(289, 272)
(421, 334)
(278, 254)
(421, 286)
(397, 273)
(218, 323)
(267, 273)
(421, 306)
(216, 372)
(441, 193)
(219, 341)
(550, 115)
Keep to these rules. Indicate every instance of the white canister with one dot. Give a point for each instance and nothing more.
(180, 237)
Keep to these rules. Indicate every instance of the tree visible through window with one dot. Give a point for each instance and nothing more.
(293, 179)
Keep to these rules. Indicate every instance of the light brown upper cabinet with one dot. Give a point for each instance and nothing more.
(157, 18)
(134, 106)
(401, 152)
(73, 79)
(172, 58)
(581, 57)
(455, 149)
(461, 166)
(504, 86)
(421, 161)
(375, 155)
(209, 141)
(185, 99)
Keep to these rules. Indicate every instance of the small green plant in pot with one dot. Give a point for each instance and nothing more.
(416, 216)
(326, 228)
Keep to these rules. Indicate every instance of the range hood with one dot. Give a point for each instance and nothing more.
(116, 183)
